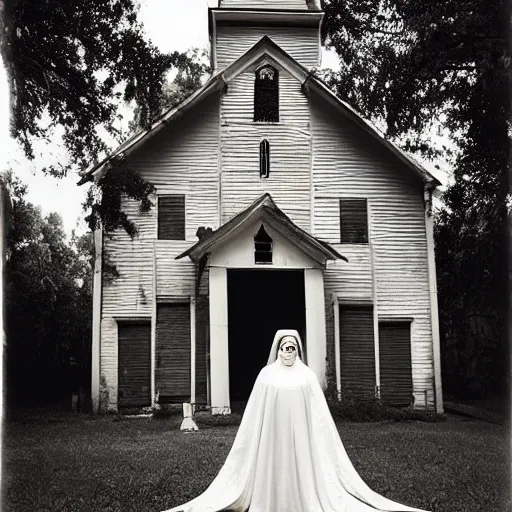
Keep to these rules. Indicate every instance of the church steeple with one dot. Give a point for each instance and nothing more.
(237, 25)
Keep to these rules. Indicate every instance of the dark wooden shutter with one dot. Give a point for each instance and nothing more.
(395, 363)
(202, 329)
(134, 364)
(173, 353)
(357, 351)
(171, 217)
(353, 221)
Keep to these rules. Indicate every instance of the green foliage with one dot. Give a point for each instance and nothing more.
(410, 64)
(48, 296)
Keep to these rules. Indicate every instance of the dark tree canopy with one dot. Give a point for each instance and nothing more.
(48, 300)
(409, 64)
(72, 62)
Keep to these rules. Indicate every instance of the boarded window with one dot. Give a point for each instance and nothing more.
(134, 364)
(171, 217)
(357, 351)
(395, 363)
(353, 221)
(266, 95)
(264, 159)
(173, 353)
(262, 247)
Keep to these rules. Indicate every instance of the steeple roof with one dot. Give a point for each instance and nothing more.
(269, 4)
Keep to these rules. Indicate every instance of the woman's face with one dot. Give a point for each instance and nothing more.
(288, 352)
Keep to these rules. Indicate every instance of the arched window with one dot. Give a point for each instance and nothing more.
(266, 95)
(262, 247)
(264, 159)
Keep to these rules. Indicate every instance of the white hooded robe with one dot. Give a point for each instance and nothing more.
(287, 455)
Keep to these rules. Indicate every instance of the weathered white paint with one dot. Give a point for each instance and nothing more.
(188, 424)
(349, 164)
(316, 343)
(183, 159)
(153, 330)
(337, 349)
(219, 354)
(317, 157)
(436, 349)
(96, 320)
(131, 293)
(174, 277)
(109, 365)
(301, 43)
(193, 349)
(178, 160)
(238, 251)
(375, 308)
(289, 178)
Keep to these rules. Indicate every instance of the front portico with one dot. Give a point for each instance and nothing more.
(262, 239)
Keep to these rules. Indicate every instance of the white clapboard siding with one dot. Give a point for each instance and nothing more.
(347, 163)
(131, 293)
(264, 4)
(108, 355)
(352, 280)
(301, 43)
(238, 102)
(290, 142)
(183, 159)
(175, 278)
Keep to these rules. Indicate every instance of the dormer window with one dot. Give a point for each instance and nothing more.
(264, 159)
(262, 247)
(266, 95)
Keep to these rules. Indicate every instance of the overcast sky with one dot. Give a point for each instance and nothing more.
(171, 25)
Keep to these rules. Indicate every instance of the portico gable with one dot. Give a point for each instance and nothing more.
(262, 246)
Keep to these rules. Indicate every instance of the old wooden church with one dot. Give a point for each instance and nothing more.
(277, 206)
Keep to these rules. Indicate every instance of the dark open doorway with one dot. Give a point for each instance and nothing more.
(259, 303)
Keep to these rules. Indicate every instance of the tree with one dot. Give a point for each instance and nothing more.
(71, 65)
(48, 299)
(72, 62)
(104, 199)
(409, 64)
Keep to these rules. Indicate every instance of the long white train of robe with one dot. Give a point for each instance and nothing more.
(287, 455)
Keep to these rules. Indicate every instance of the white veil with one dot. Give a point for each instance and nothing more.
(280, 334)
(269, 469)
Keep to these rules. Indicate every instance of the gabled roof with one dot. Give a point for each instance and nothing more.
(219, 81)
(265, 209)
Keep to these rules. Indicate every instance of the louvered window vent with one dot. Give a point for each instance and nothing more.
(262, 247)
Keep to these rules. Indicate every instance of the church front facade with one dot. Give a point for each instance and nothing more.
(277, 207)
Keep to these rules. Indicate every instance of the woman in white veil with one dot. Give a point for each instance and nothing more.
(287, 455)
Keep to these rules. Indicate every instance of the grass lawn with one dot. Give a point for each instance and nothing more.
(70, 463)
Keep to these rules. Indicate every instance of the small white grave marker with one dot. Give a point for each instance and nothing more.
(188, 424)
